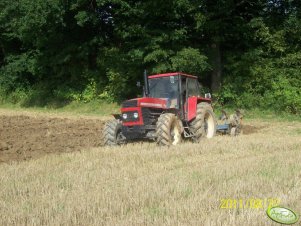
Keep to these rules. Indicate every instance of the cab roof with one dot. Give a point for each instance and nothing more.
(172, 74)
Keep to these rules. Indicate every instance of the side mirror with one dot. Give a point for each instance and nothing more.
(208, 95)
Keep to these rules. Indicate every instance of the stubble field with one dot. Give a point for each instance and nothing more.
(54, 172)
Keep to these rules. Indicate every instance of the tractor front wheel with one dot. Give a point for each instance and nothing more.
(204, 124)
(168, 130)
(112, 133)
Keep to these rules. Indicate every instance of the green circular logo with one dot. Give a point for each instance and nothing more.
(282, 215)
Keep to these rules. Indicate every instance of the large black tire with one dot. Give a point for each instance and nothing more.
(168, 130)
(204, 125)
(112, 133)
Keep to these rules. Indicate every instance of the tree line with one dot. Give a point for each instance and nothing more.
(246, 52)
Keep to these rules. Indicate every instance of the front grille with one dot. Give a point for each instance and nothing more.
(150, 116)
(129, 103)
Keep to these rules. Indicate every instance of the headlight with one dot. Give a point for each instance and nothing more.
(136, 115)
(124, 116)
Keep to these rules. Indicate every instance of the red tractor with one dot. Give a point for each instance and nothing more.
(171, 109)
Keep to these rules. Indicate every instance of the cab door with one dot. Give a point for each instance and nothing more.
(192, 93)
(192, 88)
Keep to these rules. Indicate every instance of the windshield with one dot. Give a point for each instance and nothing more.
(164, 87)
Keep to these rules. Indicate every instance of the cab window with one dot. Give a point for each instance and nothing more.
(192, 87)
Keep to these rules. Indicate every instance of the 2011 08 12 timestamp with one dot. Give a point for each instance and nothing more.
(250, 203)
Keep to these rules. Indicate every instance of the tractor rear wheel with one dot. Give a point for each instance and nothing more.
(168, 130)
(204, 125)
(112, 133)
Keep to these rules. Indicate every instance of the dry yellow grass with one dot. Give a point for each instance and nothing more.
(142, 184)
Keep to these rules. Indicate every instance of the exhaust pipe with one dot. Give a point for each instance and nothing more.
(146, 85)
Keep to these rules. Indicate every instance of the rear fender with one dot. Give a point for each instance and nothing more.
(191, 106)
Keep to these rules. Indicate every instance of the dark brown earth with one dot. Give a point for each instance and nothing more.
(24, 137)
(248, 129)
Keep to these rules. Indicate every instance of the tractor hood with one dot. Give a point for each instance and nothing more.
(146, 102)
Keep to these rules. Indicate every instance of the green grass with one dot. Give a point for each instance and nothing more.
(272, 115)
(98, 107)
(95, 107)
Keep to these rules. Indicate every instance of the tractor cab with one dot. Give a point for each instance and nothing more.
(181, 91)
(166, 88)
(175, 87)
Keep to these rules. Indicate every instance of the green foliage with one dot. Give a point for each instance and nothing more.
(272, 42)
(18, 71)
(187, 60)
(190, 61)
(271, 84)
(115, 88)
(16, 97)
(56, 51)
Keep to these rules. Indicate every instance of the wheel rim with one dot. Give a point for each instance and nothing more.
(209, 126)
(175, 134)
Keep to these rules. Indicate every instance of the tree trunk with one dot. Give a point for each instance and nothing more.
(216, 75)
(2, 54)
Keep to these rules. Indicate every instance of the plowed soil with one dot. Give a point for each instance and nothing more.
(30, 136)
(25, 137)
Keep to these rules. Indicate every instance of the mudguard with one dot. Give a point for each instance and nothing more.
(191, 106)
